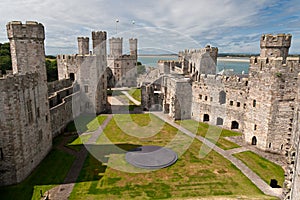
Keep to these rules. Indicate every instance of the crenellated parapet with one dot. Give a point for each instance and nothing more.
(274, 64)
(29, 30)
(83, 45)
(234, 81)
(271, 41)
(275, 45)
(99, 35)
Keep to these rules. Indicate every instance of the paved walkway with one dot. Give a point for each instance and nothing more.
(265, 188)
(63, 191)
(131, 98)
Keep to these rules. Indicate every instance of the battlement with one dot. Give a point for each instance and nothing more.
(29, 30)
(101, 35)
(280, 40)
(83, 39)
(132, 39)
(83, 45)
(223, 79)
(208, 48)
(118, 39)
(273, 61)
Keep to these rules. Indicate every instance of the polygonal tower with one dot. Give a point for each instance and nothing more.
(83, 45)
(116, 45)
(99, 42)
(272, 91)
(27, 47)
(275, 45)
(133, 46)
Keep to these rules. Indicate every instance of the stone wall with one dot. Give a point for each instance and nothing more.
(25, 119)
(25, 136)
(220, 100)
(292, 180)
(64, 113)
(58, 85)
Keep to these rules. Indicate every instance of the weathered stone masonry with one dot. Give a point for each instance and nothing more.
(25, 132)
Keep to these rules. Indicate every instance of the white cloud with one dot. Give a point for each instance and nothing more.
(175, 25)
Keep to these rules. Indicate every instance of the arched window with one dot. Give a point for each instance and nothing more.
(220, 121)
(254, 141)
(222, 97)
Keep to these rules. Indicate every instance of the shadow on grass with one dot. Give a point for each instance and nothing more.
(54, 168)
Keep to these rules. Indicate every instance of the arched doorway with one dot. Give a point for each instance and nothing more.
(234, 125)
(206, 118)
(254, 140)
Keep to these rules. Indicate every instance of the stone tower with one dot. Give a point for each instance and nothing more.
(133, 46)
(272, 91)
(116, 45)
(275, 45)
(99, 42)
(27, 47)
(83, 45)
(25, 135)
(92, 75)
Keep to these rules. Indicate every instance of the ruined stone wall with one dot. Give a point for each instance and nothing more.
(63, 113)
(67, 65)
(25, 136)
(197, 62)
(220, 100)
(58, 85)
(177, 97)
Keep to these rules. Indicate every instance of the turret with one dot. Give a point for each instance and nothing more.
(99, 41)
(115, 45)
(83, 45)
(27, 47)
(133, 46)
(275, 45)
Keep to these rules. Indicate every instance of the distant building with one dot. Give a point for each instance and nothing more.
(123, 66)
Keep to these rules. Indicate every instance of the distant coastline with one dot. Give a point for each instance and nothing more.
(234, 59)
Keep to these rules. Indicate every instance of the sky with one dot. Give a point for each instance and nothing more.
(164, 26)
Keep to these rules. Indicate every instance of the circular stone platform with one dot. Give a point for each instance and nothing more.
(151, 157)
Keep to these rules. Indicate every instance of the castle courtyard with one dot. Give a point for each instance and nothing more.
(202, 170)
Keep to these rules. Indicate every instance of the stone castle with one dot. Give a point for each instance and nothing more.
(264, 105)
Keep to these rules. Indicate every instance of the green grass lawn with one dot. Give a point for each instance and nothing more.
(85, 123)
(135, 93)
(262, 167)
(189, 177)
(214, 134)
(51, 172)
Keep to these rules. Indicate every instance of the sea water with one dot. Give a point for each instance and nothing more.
(239, 65)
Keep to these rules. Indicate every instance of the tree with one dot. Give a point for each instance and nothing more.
(141, 69)
(5, 59)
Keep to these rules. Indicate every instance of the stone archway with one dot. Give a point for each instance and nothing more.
(254, 140)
